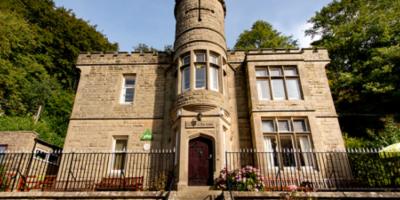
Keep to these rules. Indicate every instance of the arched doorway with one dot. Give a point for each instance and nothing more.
(201, 161)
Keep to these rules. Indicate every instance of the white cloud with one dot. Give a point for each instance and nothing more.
(299, 34)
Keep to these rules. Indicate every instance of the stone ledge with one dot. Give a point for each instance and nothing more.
(82, 195)
(330, 195)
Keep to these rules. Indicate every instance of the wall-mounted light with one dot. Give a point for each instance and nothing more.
(199, 116)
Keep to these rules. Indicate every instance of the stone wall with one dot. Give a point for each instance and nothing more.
(99, 116)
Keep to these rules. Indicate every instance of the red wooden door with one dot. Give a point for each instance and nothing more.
(200, 162)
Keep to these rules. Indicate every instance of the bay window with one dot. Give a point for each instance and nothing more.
(287, 142)
(206, 68)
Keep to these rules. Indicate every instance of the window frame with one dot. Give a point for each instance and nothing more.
(203, 64)
(185, 64)
(295, 140)
(211, 79)
(114, 153)
(125, 87)
(268, 76)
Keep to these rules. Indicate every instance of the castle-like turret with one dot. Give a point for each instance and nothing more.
(200, 53)
(201, 109)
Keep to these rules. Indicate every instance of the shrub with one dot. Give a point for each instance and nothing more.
(246, 179)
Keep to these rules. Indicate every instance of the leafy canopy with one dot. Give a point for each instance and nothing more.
(39, 45)
(263, 35)
(363, 40)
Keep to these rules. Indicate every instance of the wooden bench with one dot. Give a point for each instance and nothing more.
(36, 183)
(120, 184)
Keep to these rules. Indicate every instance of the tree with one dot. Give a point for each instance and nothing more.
(39, 45)
(362, 38)
(141, 47)
(262, 35)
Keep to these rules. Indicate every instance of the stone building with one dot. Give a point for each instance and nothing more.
(203, 99)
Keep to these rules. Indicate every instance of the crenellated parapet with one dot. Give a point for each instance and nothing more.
(124, 58)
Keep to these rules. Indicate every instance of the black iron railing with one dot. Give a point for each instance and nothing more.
(352, 170)
(118, 171)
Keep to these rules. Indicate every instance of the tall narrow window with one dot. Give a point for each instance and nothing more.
(185, 78)
(270, 149)
(185, 73)
(200, 70)
(128, 90)
(119, 157)
(214, 85)
(278, 83)
(200, 76)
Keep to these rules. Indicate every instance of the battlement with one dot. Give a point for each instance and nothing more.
(124, 58)
(303, 54)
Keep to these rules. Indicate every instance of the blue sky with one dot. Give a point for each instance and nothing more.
(152, 22)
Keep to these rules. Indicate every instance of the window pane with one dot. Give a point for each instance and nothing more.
(120, 145)
(283, 126)
(287, 154)
(214, 59)
(306, 156)
(200, 57)
(186, 78)
(261, 72)
(268, 126)
(3, 148)
(200, 76)
(186, 60)
(290, 71)
(293, 88)
(278, 90)
(275, 71)
(129, 81)
(214, 78)
(299, 125)
(270, 148)
(129, 94)
(263, 89)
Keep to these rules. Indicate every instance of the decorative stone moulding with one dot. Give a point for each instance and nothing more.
(199, 100)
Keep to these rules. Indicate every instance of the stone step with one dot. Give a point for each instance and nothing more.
(196, 193)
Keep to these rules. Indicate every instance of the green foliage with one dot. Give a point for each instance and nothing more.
(27, 124)
(390, 134)
(363, 40)
(263, 35)
(141, 47)
(39, 44)
(369, 170)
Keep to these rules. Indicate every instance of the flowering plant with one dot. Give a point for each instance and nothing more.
(246, 179)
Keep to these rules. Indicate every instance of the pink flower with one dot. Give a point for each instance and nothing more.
(292, 188)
